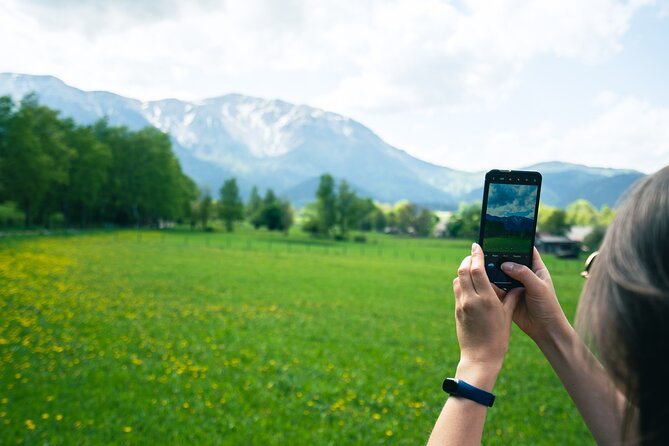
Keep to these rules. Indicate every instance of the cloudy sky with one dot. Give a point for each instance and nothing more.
(469, 84)
(505, 200)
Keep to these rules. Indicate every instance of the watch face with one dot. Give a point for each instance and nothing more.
(450, 385)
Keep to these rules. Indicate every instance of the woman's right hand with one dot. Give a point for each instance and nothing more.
(538, 312)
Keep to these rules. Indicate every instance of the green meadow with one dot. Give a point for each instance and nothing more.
(252, 338)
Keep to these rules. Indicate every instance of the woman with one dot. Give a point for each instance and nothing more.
(623, 316)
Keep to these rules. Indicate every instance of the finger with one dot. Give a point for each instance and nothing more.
(511, 300)
(500, 292)
(523, 274)
(465, 278)
(477, 270)
(538, 265)
(457, 290)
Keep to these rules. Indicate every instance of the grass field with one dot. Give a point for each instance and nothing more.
(508, 244)
(251, 338)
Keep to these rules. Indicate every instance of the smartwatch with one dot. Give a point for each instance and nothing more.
(459, 388)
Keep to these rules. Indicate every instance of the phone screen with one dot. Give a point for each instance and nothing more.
(508, 221)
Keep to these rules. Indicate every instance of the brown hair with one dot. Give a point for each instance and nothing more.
(624, 309)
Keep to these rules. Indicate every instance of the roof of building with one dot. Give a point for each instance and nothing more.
(579, 233)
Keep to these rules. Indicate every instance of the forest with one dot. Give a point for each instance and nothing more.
(55, 171)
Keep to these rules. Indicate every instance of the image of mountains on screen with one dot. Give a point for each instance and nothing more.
(510, 218)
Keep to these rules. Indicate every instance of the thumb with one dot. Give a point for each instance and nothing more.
(523, 275)
(511, 300)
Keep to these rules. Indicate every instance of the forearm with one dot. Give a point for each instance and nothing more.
(587, 383)
(461, 420)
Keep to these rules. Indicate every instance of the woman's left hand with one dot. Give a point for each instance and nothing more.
(483, 315)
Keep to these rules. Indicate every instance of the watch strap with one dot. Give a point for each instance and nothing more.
(460, 388)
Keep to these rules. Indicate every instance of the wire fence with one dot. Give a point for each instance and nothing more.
(371, 249)
(389, 250)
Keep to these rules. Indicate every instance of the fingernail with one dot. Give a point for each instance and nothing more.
(507, 266)
(475, 247)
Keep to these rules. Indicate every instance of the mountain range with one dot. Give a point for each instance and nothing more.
(273, 143)
(513, 224)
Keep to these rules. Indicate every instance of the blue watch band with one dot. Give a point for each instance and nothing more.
(458, 387)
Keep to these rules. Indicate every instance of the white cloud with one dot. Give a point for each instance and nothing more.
(387, 54)
(605, 98)
(629, 133)
(369, 58)
(432, 53)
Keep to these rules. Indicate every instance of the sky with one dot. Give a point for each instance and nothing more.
(505, 200)
(469, 84)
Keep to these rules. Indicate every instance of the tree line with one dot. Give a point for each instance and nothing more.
(54, 170)
(336, 211)
(269, 211)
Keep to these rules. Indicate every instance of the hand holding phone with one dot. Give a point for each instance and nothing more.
(508, 221)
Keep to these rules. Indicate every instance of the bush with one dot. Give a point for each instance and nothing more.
(360, 239)
(56, 220)
(10, 216)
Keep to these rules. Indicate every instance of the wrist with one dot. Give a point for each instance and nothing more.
(479, 374)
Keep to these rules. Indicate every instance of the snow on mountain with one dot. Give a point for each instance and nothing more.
(272, 143)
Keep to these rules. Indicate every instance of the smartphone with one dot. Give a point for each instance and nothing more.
(508, 221)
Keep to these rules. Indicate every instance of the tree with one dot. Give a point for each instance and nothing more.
(205, 208)
(424, 222)
(88, 173)
(391, 220)
(35, 157)
(465, 221)
(230, 208)
(594, 239)
(286, 216)
(605, 216)
(146, 183)
(310, 222)
(552, 220)
(405, 213)
(581, 212)
(253, 207)
(193, 213)
(414, 219)
(326, 200)
(342, 210)
(275, 214)
(189, 202)
(380, 220)
(58, 171)
(345, 208)
(6, 113)
(10, 216)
